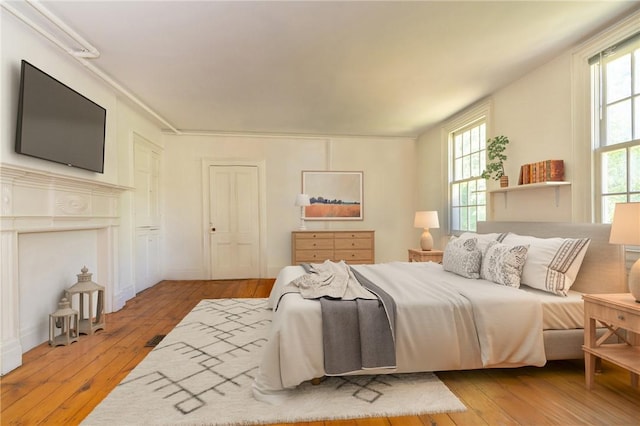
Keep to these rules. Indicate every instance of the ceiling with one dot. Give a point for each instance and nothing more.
(385, 68)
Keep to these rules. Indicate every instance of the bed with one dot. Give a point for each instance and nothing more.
(447, 321)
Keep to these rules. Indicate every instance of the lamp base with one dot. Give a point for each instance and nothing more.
(426, 240)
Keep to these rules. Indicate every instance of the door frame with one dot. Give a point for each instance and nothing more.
(262, 216)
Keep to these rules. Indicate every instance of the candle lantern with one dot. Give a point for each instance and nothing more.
(91, 302)
(65, 319)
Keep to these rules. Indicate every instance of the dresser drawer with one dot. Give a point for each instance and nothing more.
(313, 256)
(300, 236)
(353, 243)
(354, 234)
(309, 244)
(354, 256)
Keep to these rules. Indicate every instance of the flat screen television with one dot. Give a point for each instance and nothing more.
(58, 124)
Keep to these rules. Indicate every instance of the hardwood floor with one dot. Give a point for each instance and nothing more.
(62, 385)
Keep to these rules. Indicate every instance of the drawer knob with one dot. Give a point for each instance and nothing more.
(621, 317)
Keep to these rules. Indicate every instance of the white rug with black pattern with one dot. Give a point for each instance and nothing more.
(201, 373)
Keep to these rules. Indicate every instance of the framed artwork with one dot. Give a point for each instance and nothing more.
(333, 195)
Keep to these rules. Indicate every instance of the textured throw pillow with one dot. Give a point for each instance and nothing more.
(462, 257)
(503, 263)
(483, 239)
(552, 263)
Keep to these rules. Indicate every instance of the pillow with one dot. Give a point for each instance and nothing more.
(462, 257)
(483, 239)
(552, 263)
(503, 263)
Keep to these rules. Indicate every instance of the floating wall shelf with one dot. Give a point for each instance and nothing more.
(542, 185)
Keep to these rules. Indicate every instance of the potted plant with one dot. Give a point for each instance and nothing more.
(495, 166)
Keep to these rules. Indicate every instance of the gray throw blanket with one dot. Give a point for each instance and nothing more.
(358, 333)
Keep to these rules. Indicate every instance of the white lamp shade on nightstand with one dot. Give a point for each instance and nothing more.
(426, 220)
(625, 229)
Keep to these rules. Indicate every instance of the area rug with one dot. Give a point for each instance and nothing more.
(202, 371)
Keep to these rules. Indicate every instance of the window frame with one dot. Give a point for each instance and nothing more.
(482, 111)
(600, 108)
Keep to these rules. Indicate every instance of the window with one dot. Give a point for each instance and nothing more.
(615, 82)
(468, 190)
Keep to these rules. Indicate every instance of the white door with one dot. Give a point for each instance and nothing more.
(234, 232)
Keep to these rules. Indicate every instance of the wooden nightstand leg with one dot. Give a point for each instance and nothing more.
(589, 369)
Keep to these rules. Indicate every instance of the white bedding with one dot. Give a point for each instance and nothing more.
(559, 313)
(444, 322)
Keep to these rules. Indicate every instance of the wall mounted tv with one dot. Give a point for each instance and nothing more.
(58, 124)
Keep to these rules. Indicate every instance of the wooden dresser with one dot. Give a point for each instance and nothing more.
(318, 246)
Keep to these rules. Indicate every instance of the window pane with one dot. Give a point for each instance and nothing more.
(466, 143)
(475, 164)
(636, 117)
(609, 205)
(483, 136)
(619, 122)
(472, 193)
(455, 194)
(457, 146)
(614, 171)
(636, 76)
(473, 217)
(619, 79)
(475, 139)
(457, 169)
(481, 197)
(482, 213)
(634, 168)
(634, 198)
(455, 218)
(464, 193)
(466, 167)
(464, 219)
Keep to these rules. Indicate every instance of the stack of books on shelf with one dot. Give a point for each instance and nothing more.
(542, 171)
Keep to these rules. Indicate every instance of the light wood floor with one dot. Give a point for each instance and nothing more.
(62, 385)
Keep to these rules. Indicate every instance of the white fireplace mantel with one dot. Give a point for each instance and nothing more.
(35, 201)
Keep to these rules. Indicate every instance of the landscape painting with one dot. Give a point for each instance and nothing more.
(333, 195)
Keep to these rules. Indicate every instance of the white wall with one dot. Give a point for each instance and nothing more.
(25, 239)
(535, 113)
(389, 187)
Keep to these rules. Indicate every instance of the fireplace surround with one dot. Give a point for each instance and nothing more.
(47, 220)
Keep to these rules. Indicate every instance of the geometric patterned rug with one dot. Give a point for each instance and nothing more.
(202, 371)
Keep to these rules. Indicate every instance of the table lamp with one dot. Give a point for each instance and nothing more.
(426, 220)
(302, 200)
(625, 229)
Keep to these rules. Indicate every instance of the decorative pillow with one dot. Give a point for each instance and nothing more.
(462, 257)
(483, 239)
(503, 263)
(552, 263)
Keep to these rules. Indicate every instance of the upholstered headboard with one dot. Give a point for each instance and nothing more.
(602, 270)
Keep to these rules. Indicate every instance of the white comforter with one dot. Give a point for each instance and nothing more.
(444, 322)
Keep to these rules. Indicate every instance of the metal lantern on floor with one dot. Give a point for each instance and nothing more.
(91, 303)
(66, 320)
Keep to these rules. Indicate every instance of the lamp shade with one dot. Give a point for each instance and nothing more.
(426, 219)
(303, 200)
(625, 228)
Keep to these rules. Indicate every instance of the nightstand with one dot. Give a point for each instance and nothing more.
(615, 312)
(417, 255)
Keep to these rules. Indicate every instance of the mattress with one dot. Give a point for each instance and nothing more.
(559, 313)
